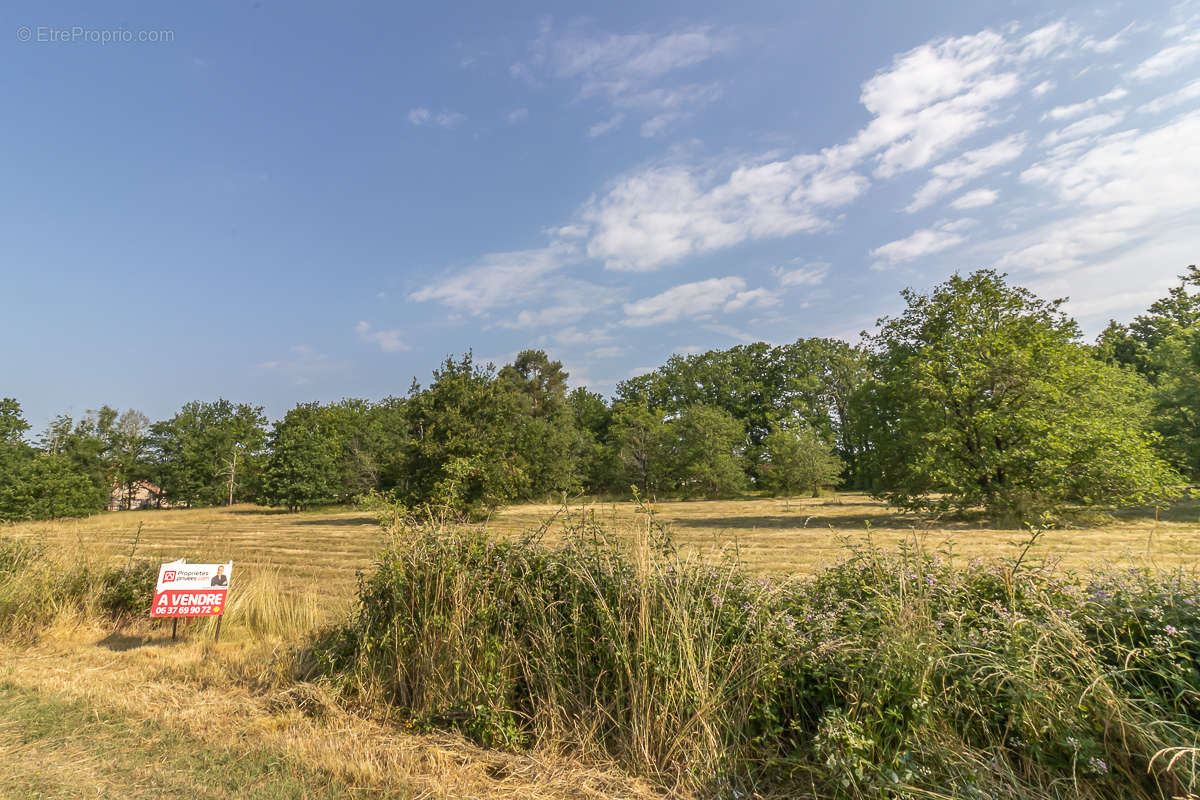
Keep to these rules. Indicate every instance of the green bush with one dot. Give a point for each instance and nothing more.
(887, 675)
(128, 591)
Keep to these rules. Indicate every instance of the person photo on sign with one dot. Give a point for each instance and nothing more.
(220, 579)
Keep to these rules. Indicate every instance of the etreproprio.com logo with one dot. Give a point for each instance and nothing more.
(81, 34)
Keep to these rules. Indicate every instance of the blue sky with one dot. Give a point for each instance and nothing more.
(277, 203)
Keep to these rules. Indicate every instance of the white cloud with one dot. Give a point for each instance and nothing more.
(754, 298)
(606, 126)
(499, 279)
(1190, 91)
(661, 215)
(517, 115)
(1170, 59)
(954, 174)
(809, 275)
(1043, 88)
(975, 199)
(1047, 39)
(389, 341)
(685, 300)
(442, 119)
(1123, 189)
(924, 242)
(932, 98)
(1084, 127)
(1067, 112)
(630, 72)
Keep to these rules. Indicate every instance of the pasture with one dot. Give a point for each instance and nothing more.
(321, 551)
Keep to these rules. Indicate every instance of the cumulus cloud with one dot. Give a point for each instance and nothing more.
(1043, 88)
(661, 215)
(932, 98)
(954, 174)
(754, 298)
(685, 300)
(924, 242)
(389, 341)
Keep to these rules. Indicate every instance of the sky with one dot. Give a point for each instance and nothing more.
(285, 202)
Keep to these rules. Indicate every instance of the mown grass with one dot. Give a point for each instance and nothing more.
(319, 552)
(59, 748)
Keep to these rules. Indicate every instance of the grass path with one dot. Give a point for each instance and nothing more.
(54, 747)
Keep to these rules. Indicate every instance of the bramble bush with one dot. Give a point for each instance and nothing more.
(890, 674)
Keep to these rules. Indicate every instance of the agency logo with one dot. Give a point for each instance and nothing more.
(169, 576)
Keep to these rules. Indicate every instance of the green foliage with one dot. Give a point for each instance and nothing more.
(302, 469)
(205, 447)
(888, 675)
(983, 396)
(463, 449)
(809, 382)
(704, 448)
(798, 460)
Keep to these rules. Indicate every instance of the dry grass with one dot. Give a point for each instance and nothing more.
(319, 552)
(227, 697)
(220, 698)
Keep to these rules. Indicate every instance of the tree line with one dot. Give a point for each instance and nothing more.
(979, 394)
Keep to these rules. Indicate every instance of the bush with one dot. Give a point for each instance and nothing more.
(888, 675)
(128, 591)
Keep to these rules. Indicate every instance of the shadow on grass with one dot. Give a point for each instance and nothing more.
(803, 518)
(340, 522)
(122, 642)
(1184, 510)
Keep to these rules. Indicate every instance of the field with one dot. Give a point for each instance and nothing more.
(89, 711)
(322, 550)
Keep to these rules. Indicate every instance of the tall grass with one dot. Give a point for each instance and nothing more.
(38, 588)
(890, 674)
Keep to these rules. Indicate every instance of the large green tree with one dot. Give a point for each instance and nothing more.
(462, 455)
(706, 447)
(304, 466)
(799, 459)
(208, 453)
(983, 395)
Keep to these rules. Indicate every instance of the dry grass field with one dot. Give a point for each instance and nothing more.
(320, 551)
(86, 711)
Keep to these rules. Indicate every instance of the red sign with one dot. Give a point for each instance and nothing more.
(191, 590)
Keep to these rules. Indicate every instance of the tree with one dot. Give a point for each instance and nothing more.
(983, 395)
(1162, 345)
(202, 450)
(798, 459)
(639, 447)
(1176, 399)
(462, 454)
(302, 469)
(705, 444)
(1137, 343)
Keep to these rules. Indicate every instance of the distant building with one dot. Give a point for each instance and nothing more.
(144, 495)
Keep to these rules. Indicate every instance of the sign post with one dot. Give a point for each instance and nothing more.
(191, 590)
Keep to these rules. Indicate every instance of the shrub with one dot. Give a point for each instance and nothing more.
(887, 675)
